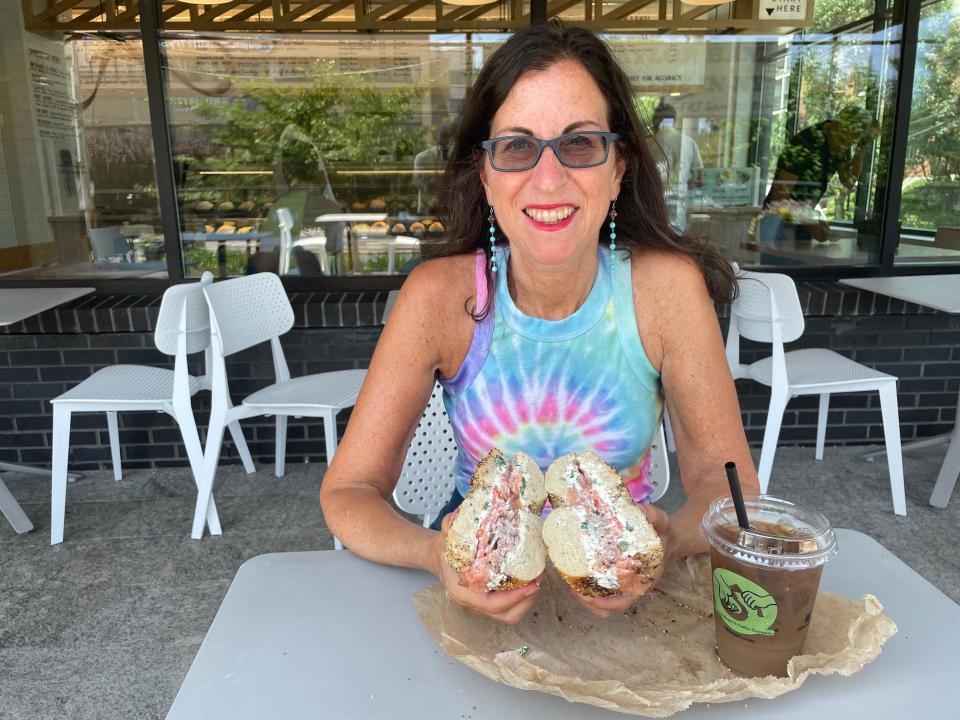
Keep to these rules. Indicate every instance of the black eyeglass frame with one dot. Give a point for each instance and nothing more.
(610, 137)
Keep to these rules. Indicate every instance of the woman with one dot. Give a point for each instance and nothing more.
(582, 313)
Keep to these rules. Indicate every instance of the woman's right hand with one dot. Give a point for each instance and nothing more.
(507, 606)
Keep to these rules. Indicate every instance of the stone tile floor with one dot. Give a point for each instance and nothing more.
(106, 625)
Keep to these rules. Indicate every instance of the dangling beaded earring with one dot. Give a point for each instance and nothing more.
(493, 242)
(613, 231)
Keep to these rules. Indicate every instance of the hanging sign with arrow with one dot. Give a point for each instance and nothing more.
(783, 9)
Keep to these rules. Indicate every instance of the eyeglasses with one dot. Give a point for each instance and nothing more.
(516, 153)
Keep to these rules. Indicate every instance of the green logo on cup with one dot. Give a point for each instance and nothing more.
(744, 606)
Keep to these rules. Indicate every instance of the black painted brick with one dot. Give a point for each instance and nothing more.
(920, 348)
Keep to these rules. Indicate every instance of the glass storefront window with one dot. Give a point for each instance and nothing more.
(77, 190)
(768, 146)
(345, 137)
(930, 203)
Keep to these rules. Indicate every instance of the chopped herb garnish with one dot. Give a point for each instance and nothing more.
(523, 649)
(623, 545)
(486, 505)
(523, 486)
(629, 527)
(584, 525)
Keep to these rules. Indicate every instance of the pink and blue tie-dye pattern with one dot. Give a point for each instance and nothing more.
(552, 387)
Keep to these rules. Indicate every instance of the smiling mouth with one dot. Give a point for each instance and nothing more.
(552, 216)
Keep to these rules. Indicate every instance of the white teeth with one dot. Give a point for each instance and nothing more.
(550, 217)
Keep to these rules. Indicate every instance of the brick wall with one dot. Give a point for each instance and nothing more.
(45, 355)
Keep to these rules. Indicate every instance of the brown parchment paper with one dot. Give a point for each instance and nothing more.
(657, 659)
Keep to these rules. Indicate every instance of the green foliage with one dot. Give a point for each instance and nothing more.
(934, 146)
(346, 117)
(831, 14)
(931, 204)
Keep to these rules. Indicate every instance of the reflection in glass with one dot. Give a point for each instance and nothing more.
(78, 197)
(349, 136)
(930, 204)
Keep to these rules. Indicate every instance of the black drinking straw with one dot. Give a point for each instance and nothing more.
(737, 495)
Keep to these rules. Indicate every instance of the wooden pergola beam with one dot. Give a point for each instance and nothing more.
(212, 12)
(409, 8)
(389, 16)
(626, 9)
(479, 11)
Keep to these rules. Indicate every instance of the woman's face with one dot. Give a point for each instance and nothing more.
(552, 214)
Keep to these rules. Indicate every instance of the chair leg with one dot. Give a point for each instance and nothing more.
(778, 403)
(891, 436)
(58, 473)
(330, 435)
(949, 471)
(211, 457)
(822, 423)
(668, 433)
(240, 443)
(280, 452)
(114, 431)
(191, 440)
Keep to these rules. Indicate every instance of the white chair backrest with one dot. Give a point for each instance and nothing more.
(198, 317)
(763, 298)
(659, 473)
(107, 242)
(285, 221)
(388, 307)
(427, 479)
(248, 311)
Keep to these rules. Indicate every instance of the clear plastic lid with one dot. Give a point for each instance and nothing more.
(781, 534)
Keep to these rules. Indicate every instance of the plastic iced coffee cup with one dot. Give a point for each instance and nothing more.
(765, 580)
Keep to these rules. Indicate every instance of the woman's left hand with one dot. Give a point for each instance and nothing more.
(604, 607)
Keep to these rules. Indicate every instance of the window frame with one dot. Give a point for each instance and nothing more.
(906, 13)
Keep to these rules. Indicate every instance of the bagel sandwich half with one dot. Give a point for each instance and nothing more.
(495, 540)
(599, 541)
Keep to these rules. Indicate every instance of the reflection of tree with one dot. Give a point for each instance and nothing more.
(935, 118)
(834, 72)
(348, 118)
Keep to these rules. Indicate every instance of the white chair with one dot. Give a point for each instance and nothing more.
(427, 479)
(183, 327)
(767, 310)
(108, 243)
(285, 221)
(659, 473)
(244, 312)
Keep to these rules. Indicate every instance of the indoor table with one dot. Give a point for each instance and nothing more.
(18, 304)
(940, 292)
(352, 239)
(329, 635)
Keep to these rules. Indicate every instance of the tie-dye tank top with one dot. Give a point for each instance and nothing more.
(549, 387)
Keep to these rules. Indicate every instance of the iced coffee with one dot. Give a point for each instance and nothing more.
(765, 580)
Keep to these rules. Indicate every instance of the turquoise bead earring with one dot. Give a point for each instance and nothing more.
(613, 231)
(493, 242)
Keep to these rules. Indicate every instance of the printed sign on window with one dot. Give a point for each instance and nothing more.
(782, 9)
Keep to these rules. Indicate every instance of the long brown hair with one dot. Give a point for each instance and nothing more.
(641, 210)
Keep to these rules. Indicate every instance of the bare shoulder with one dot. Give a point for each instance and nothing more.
(435, 302)
(667, 275)
(670, 297)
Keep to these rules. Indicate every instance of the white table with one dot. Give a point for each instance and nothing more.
(940, 292)
(18, 304)
(327, 635)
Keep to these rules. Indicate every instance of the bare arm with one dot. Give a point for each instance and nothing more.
(681, 337)
(680, 332)
(356, 488)
(429, 332)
